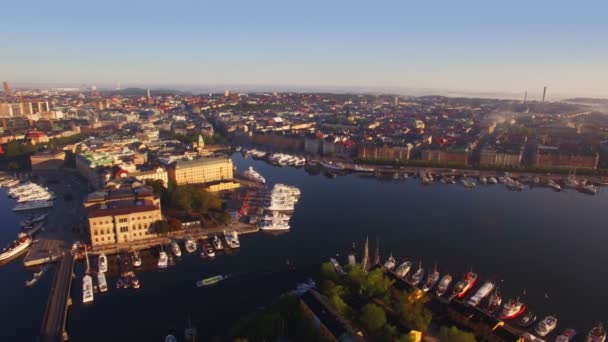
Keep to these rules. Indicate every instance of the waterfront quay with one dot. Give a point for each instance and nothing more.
(55, 315)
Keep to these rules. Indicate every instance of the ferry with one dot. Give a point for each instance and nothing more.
(87, 289)
(210, 280)
(494, 301)
(464, 285)
(597, 334)
(527, 319)
(175, 249)
(443, 285)
(33, 205)
(431, 280)
(101, 280)
(217, 243)
(566, 336)
(547, 325)
(163, 259)
(16, 247)
(332, 165)
(403, 269)
(254, 176)
(102, 263)
(512, 309)
(482, 293)
(390, 263)
(190, 245)
(417, 276)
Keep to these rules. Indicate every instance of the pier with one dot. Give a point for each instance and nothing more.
(55, 315)
(43, 251)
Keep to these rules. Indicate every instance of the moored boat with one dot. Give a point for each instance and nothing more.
(527, 319)
(443, 285)
(431, 280)
(417, 276)
(175, 249)
(482, 293)
(136, 259)
(163, 259)
(217, 243)
(102, 263)
(403, 269)
(494, 301)
(390, 263)
(566, 336)
(465, 284)
(101, 281)
(87, 289)
(254, 176)
(14, 248)
(190, 245)
(597, 334)
(547, 325)
(512, 309)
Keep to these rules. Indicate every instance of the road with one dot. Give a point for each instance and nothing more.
(55, 315)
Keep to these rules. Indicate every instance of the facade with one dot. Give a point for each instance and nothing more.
(446, 157)
(496, 158)
(157, 174)
(122, 216)
(47, 160)
(221, 186)
(203, 170)
(388, 153)
(551, 156)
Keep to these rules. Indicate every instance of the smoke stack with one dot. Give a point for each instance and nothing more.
(544, 93)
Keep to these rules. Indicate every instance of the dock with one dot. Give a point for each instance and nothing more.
(55, 314)
(43, 251)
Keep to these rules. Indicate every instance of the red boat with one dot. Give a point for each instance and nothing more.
(465, 285)
(512, 309)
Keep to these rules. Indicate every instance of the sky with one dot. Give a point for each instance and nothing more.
(404, 46)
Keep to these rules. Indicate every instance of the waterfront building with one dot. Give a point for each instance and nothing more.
(202, 170)
(500, 157)
(157, 174)
(553, 156)
(224, 185)
(384, 153)
(122, 215)
(446, 157)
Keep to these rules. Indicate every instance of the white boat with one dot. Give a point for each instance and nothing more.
(175, 249)
(11, 183)
(431, 280)
(390, 263)
(337, 266)
(282, 198)
(136, 259)
(492, 180)
(163, 259)
(361, 168)
(254, 176)
(217, 243)
(16, 247)
(403, 269)
(102, 263)
(332, 165)
(33, 229)
(482, 293)
(33, 205)
(87, 289)
(190, 245)
(232, 239)
(547, 325)
(443, 285)
(37, 276)
(101, 281)
(277, 221)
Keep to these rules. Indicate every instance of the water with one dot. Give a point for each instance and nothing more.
(539, 241)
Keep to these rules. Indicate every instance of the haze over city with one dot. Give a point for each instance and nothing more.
(472, 47)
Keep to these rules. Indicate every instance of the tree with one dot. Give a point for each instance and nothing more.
(411, 308)
(376, 284)
(161, 227)
(225, 217)
(453, 334)
(373, 317)
(174, 224)
(328, 272)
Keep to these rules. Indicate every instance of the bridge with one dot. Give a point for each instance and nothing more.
(55, 315)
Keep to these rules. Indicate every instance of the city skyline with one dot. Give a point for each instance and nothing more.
(391, 47)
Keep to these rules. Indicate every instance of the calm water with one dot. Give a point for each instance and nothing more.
(538, 240)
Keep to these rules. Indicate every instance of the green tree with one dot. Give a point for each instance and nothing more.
(328, 272)
(453, 334)
(161, 227)
(373, 317)
(411, 306)
(377, 284)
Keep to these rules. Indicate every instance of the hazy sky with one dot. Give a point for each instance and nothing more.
(492, 46)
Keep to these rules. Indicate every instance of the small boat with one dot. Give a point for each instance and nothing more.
(120, 283)
(101, 280)
(14, 248)
(390, 263)
(417, 276)
(208, 250)
(482, 293)
(210, 280)
(37, 276)
(175, 249)
(431, 280)
(443, 285)
(135, 282)
(33, 219)
(512, 309)
(163, 259)
(217, 243)
(332, 165)
(254, 176)
(494, 301)
(492, 180)
(566, 336)
(403, 269)
(232, 239)
(527, 319)
(87, 289)
(136, 259)
(465, 285)
(597, 334)
(547, 325)
(102, 263)
(190, 245)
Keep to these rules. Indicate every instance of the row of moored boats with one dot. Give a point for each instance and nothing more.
(28, 195)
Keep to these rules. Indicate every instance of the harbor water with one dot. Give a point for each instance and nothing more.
(546, 247)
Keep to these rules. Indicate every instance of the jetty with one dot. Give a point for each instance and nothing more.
(55, 314)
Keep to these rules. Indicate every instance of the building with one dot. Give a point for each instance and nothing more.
(501, 158)
(7, 89)
(47, 160)
(328, 323)
(122, 215)
(202, 170)
(156, 174)
(384, 153)
(446, 157)
(556, 157)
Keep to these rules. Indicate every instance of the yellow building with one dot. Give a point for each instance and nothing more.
(157, 174)
(121, 216)
(203, 170)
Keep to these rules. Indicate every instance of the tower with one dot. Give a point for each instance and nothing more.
(7, 89)
(544, 93)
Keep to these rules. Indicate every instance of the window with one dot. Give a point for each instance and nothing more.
(96, 240)
(123, 220)
(124, 229)
(102, 238)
